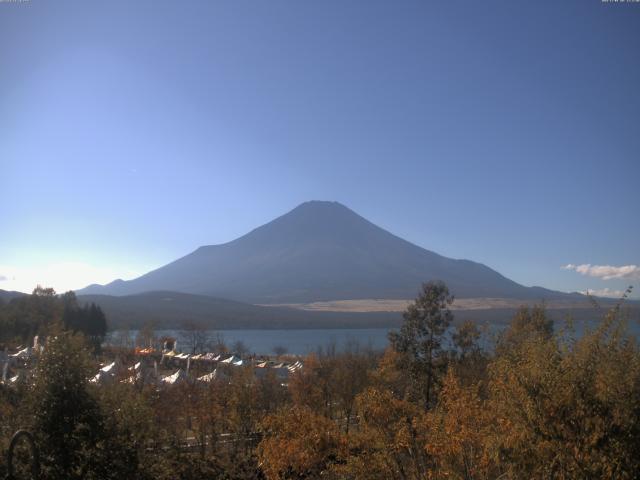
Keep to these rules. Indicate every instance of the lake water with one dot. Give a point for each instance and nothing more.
(303, 341)
(297, 342)
(300, 342)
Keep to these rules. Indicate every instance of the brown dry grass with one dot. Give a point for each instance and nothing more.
(391, 305)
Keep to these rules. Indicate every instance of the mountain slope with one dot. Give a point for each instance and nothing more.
(7, 295)
(319, 251)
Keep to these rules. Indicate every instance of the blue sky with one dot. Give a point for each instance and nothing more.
(499, 131)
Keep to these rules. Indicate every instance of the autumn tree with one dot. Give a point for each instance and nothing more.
(569, 409)
(308, 385)
(347, 378)
(146, 336)
(460, 433)
(465, 339)
(526, 324)
(298, 443)
(239, 348)
(389, 441)
(469, 360)
(243, 411)
(196, 336)
(390, 376)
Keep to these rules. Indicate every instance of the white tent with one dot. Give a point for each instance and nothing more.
(101, 377)
(178, 377)
(106, 373)
(24, 353)
(233, 360)
(136, 367)
(209, 377)
(109, 369)
(295, 366)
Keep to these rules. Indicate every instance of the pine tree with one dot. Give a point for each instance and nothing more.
(67, 419)
(420, 338)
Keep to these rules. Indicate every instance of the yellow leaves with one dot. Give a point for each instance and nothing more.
(568, 409)
(297, 442)
(388, 441)
(306, 385)
(459, 432)
(381, 409)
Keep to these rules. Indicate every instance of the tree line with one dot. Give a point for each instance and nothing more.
(25, 317)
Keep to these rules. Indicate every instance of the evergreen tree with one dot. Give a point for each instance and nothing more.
(96, 327)
(88, 319)
(420, 338)
(67, 419)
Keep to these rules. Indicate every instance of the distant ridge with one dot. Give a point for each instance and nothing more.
(173, 309)
(170, 310)
(6, 295)
(320, 251)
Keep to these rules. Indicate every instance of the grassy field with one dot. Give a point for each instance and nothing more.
(390, 305)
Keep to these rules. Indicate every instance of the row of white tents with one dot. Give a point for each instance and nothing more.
(137, 373)
(108, 373)
(211, 357)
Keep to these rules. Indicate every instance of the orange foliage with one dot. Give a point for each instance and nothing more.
(387, 442)
(460, 431)
(298, 443)
(307, 385)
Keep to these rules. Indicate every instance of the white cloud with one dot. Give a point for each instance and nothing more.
(606, 272)
(3, 278)
(604, 292)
